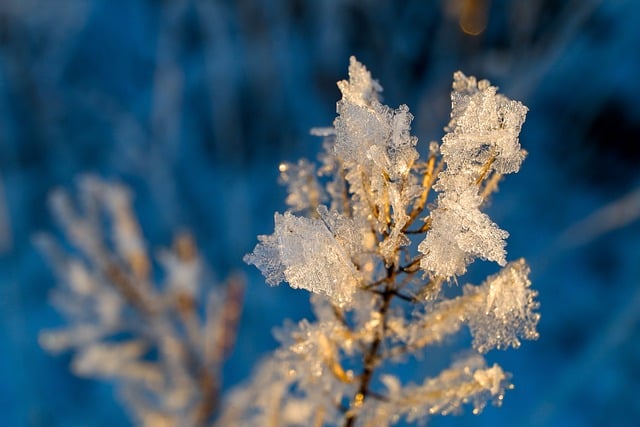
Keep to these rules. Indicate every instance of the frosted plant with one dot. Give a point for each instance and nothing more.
(482, 139)
(374, 246)
(162, 343)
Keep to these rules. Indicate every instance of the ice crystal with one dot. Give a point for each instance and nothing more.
(305, 253)
(468, 380)
(482, 137)
(484, 127)
(498, 312)
(506, 311)
(360, 89)
(376, 151)
(460, 232)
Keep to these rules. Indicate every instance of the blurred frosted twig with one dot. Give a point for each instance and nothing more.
(151, 332)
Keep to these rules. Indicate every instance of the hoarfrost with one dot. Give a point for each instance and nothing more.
(468, 380)
(361, 89)
(374, 135)
(498, 312)
(506, 312)
(482, 136)
(304, 253)
(484, 125)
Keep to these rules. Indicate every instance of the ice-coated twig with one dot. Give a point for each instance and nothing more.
(376, 257)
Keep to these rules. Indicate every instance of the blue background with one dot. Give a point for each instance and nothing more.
(194, 104)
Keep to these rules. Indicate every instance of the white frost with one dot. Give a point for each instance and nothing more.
(506, 311)
(483, 125)
(304, 253)
(482, 137)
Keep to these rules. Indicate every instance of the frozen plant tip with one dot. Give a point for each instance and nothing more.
(367, 236)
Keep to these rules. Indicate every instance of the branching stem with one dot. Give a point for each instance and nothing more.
(371, 357)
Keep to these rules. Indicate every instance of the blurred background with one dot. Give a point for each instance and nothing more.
(194, 103)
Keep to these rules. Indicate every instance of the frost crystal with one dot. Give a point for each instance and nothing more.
(482, 138)
(369, 133)
(361, 89)
(484, 127)
(505, 312)
(303, 252)
(376, 152)
(499, 312)
(468, 380)
(461, 232)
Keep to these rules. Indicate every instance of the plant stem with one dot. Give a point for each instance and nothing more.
(371, 357)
